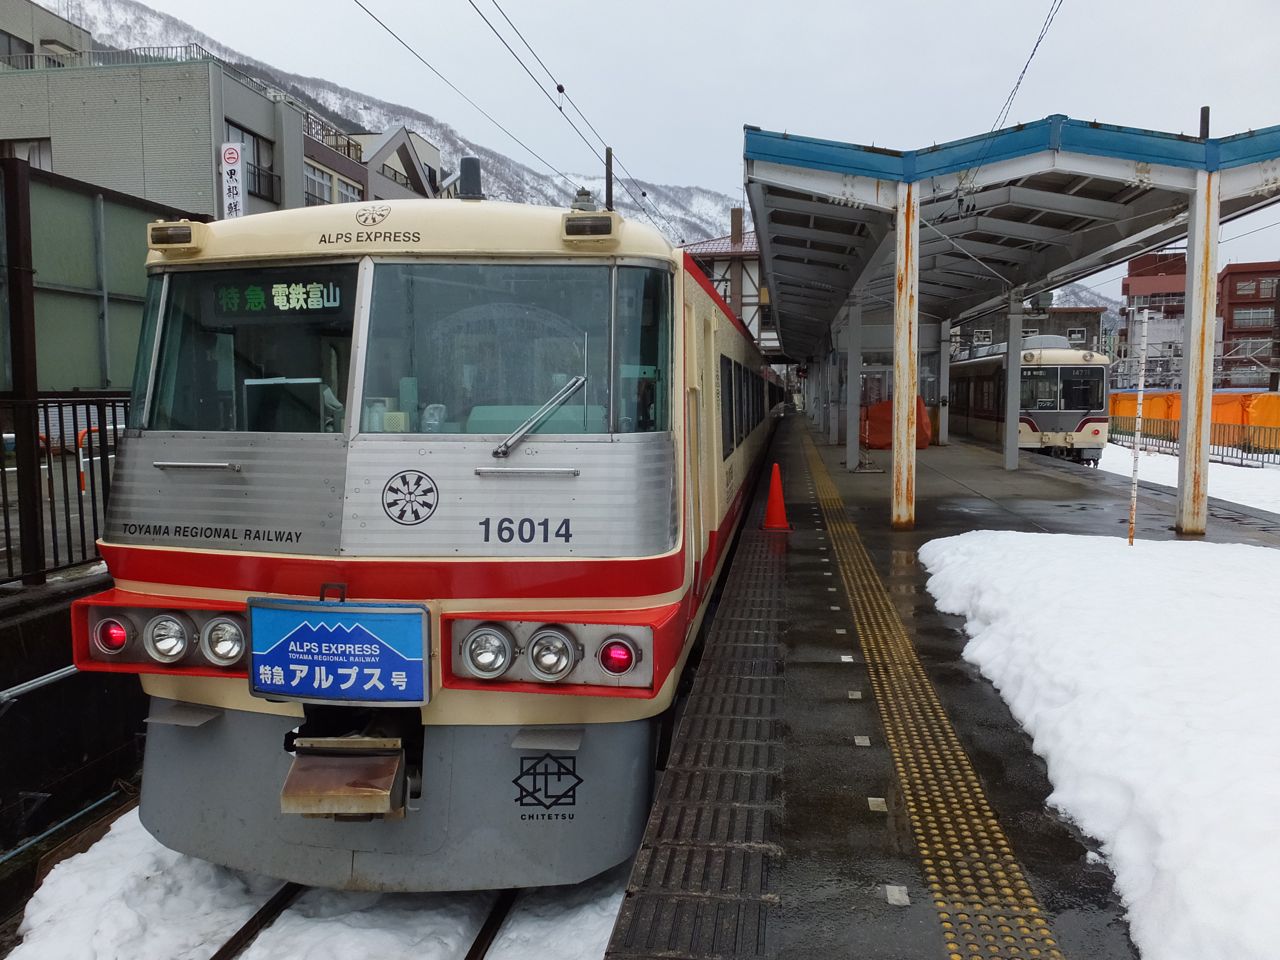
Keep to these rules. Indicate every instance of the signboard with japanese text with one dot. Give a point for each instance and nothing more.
(302, 292)
(234, 192)
(338, 652)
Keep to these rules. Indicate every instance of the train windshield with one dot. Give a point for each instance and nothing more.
(254, 349)
(1039, 388)
(476, 348)
(1082, 388)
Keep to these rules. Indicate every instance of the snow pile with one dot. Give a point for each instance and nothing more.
(129, 898)
(1251, 486)
(1145, 675)
(563, 922)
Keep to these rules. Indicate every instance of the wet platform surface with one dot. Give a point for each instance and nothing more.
(860, 790)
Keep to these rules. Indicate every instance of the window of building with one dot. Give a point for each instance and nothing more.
(318, 184)
(1268, 287)
(349, 192)
(1076, 334)
(981, 338)
(1030, 331)
(1253, 316)
(11, 46)
(259, 157)
(1246, 288)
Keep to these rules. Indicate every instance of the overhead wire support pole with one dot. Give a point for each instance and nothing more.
(1197, 351)
(906, 333)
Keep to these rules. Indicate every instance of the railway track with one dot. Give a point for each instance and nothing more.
(281, 900)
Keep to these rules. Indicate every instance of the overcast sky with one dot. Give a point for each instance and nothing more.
(670, 84)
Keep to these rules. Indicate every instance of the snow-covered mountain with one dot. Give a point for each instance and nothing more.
(1078, 295)
(683, 213)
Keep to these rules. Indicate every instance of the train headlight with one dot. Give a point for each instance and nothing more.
(617, 656)
(552, 654)
(487, 651)
(166, 638)
(222, 640)
(111, 635)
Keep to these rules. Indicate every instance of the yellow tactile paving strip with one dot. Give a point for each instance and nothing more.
(985, 905)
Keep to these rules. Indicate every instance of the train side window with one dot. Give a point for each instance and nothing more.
(254, 349)
(726, 407)
(642, 350)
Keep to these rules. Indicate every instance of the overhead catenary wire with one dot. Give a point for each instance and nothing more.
(452, 86)
(1003, 115)
(560, 89)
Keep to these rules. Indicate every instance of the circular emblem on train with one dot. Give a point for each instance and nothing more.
(410, 497)
(372, 214)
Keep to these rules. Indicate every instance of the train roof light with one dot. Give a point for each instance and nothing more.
(111, 635)
(617, 656)
(487, 651)
(595, 227)
(552, 654)
(183, 236)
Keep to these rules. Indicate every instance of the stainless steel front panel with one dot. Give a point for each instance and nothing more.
(286, 496)
(620, 502)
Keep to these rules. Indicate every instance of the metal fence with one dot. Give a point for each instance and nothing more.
(1228, 442)
(53, 504)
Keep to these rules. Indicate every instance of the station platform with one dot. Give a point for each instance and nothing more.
(841, 782)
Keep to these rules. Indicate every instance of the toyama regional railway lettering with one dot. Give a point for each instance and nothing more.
(193, 532)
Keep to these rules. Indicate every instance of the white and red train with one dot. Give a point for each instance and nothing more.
(415, 522)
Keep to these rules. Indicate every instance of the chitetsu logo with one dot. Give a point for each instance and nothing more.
(547, 782)
(410, 497)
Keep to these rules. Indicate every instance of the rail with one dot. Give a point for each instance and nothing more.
(1235, 443)
(53, 495)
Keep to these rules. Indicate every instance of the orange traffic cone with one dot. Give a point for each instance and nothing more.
(775, 513)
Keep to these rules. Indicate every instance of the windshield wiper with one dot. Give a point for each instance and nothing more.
(560, 398)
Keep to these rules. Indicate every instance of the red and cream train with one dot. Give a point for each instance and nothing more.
(416, 519)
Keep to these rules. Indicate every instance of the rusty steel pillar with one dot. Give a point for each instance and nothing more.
(1197, 356)
(853, 420)
(906, 356)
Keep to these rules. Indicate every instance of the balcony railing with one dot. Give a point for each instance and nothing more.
(262, 183)
(313, 199)
(318, 128)
(391, 173)
(138, 56)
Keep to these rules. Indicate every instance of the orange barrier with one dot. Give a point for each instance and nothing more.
(877, 426)
(1241, 409)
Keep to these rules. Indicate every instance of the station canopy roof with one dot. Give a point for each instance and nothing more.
(1027, 208)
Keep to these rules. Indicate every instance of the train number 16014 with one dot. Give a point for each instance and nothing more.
(524, 529)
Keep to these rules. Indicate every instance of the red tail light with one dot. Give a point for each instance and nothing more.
(617, 656)
(1096, 431)
(111, 635)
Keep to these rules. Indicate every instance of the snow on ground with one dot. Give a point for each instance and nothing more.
(1146, 677)
(130, 898)
(1252, 486)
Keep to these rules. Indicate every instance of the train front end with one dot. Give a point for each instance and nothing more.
(396, 533)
